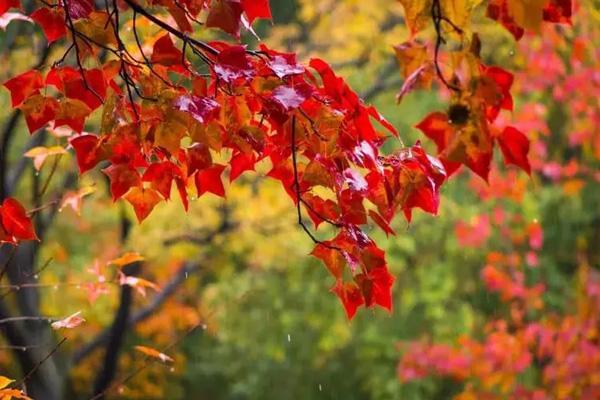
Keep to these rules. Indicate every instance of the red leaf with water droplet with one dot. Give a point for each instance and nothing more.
(291, 97)
(283, 64)
(232, 64)
(203, 109)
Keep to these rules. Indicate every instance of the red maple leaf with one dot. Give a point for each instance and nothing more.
(24, 85)
(5, 5)
(15, 221)
(143, 201)
(52, 22)
(122, 178)
(87, 151)
(350, 296)
(256, 9)
(515, 146)
(225, 15)
(209, 180)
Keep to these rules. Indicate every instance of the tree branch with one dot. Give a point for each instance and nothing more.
(382, 82)
(175, 32)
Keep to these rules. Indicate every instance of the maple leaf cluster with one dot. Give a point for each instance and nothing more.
(9, 393)
(179, 110)
(466, 134)
(165, 122)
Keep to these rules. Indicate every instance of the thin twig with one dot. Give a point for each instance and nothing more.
(26, 318)
(139, 9)
(296, 186)
(39, 364)
(71, 26)
(436, 15)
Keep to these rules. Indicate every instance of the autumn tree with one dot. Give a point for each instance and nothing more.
(164, 94)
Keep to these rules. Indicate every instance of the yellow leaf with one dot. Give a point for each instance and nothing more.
(127, 258)
(417, 14)
(410, 56)
(150, 352)
(40, 153)
(168, 135)
(97, 27)
(459, 12)
(8, 394)
(4, 382)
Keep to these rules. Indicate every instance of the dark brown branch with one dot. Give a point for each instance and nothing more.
(175, 32)
(438, 17)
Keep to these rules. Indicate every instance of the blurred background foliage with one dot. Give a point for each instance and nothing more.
(272, 330)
